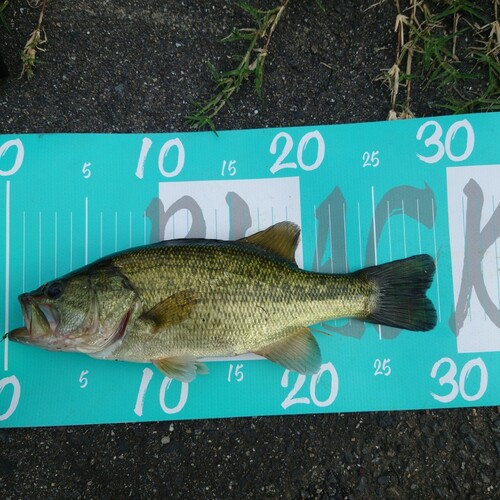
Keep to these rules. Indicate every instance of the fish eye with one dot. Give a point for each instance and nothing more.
(54, 290)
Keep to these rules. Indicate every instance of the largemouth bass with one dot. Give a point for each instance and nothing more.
(177, 301)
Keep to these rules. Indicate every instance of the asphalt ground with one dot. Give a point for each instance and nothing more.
(131, 66)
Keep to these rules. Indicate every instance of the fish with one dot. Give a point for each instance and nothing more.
(175, 302)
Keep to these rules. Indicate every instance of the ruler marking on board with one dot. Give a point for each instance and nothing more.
(86, 230)
(100, 234)
(71, 241)
(24, 253)
(359, 238)
(116, 231)
(331, 236)
(436, 263)
(464, 269)
(130, 229)
(404, 227)
(7, 273)
(345, 239)
(375, 246)
(374, 227)
(496, 256)
(418, 228)
(39, 248)
(389, 230)
(55, 244)
(345, 248)
(316, 238)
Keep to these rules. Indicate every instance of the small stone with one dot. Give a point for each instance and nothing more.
(497, 446)
(120, 89)
(362, 484)
(470, 441)
(385, 420)
(165, 440)
(171, 428)
(331, 480)
(464, 430)
(426, 430)
(485, 459)
(392, 492)
(3, 436)
(384, 479)
(441, 440)
(440, 492)
(6, 466)
(484, 478)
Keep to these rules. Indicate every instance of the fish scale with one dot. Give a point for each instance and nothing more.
(255, 301)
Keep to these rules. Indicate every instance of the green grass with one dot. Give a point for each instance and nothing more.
(250, 65)
(33, 46)
(431, 51)
(437, 55)
(439, 44)
(3, 20)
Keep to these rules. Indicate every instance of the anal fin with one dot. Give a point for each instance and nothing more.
(298, 352)
(181, 368)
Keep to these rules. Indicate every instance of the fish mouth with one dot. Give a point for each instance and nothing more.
(27, 309)
(21, 335)
(45, 314)
(50, 315)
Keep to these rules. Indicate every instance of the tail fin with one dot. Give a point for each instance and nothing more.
(401, 300)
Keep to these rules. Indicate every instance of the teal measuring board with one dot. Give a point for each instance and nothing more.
(363, 194)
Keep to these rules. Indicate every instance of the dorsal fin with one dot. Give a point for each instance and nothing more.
(281, 239)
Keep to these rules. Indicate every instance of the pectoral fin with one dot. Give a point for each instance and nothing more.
(298, 352)
(171, 311)
(182, 368)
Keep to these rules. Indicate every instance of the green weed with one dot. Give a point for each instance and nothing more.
(3, 7)
(250, 65)
(432, 48)
(34, 44)
(435, 42)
